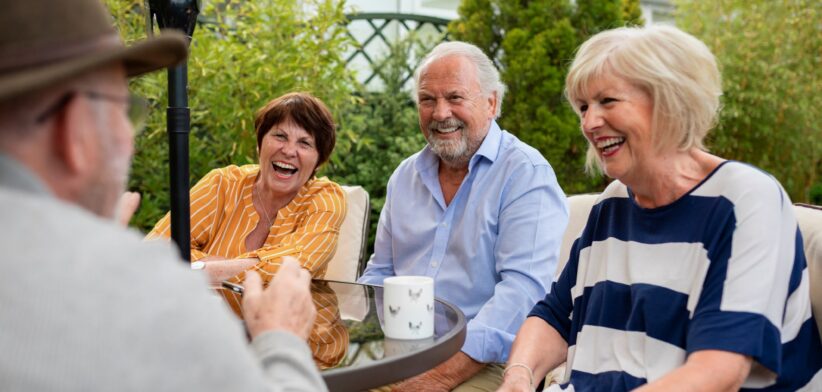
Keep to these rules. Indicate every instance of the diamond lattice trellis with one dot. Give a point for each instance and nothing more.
(374, 33)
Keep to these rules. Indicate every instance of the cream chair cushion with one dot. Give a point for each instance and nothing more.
(580, 206)
(810, 224)
(345, 265)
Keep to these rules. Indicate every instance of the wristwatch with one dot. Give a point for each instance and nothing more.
(197, 265)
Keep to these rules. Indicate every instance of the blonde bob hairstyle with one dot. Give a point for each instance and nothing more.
(676, 69)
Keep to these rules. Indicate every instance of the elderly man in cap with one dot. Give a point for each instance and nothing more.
(73, 315)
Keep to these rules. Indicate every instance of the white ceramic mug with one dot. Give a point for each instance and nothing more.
(408, 307)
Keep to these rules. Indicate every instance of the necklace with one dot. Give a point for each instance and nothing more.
(260, 200)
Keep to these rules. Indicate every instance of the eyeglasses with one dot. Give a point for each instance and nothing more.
(137, 107)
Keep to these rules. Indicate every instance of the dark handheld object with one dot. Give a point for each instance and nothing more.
(180, 15)
(234, 287)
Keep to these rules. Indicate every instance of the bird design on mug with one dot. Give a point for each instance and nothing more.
(415, 329)
(393, 311)
(414, 296)
(430, 308)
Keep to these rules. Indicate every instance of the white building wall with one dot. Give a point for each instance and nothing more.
(439, 8)
(657, 11)
(654, 11)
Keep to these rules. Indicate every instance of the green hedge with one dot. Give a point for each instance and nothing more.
(770, 54)
(382, 130)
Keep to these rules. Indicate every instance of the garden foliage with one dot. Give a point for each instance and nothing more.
(770, 54)
(381, 129)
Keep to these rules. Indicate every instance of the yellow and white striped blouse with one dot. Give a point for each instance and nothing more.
(223, 215)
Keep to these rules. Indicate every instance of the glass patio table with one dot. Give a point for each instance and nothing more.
(371, 360)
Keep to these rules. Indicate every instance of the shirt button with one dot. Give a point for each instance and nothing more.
(443, 224)
(433, 263)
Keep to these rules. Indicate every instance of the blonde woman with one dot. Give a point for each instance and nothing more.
(689, 274)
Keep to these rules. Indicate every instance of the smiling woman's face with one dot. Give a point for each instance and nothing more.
(288, 157)
(616, 118)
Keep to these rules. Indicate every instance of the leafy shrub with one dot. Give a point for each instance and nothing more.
(816, 194)
(770, 54)
(380, 131)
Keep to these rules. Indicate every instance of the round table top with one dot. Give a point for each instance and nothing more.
(372, 360)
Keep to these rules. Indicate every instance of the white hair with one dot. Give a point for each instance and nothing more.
(487, 74)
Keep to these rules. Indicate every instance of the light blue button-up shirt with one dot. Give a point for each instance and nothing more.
(492, 251)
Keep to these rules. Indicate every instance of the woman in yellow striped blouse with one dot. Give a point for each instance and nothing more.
(250, 217)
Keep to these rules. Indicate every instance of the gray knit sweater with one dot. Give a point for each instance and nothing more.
(88, 306)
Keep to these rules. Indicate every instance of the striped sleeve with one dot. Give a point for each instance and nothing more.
(207, 200)
(314, 240)
(738, 310)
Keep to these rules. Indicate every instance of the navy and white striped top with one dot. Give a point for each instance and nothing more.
(721, 268)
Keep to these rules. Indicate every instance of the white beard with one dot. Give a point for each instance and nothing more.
(449, 150)
(454, 152)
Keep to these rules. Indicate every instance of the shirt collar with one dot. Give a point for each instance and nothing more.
(490, 145)
(489, 149)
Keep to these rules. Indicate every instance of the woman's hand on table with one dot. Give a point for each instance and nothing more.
(285, 305)
(219, 268)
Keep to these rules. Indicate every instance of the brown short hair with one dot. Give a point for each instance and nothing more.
(305, 110)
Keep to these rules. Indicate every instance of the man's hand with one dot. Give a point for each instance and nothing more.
(285, 305)
(126, 206)
(445, 377)
(424, 382)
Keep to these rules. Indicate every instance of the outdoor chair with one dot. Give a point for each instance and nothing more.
(810, 223)
(809, 218)
(579, 207)
(347, 263)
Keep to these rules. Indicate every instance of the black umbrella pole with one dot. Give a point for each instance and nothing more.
(179, 126)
